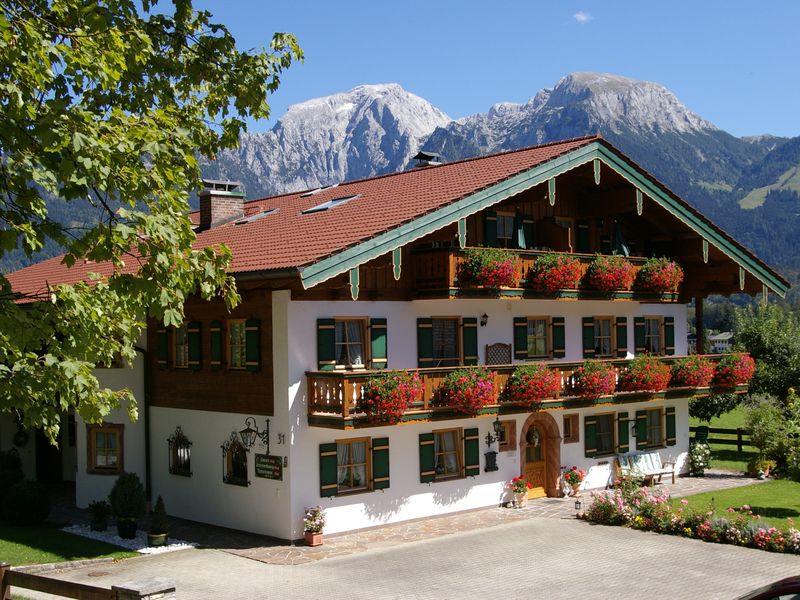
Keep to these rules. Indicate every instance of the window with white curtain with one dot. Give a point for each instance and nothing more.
(447, 455)
(445, 342)
(655, 432)
(652, 335)
(353, 467)
(350, 343)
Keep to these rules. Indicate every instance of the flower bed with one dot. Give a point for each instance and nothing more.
(490, 267)
(553, 272)
(692, 371)
(530, 384)
(644, 373)
(659, 275)
(610, 273)
(467, 390)
(593, 379)
(734, 369)
(387, 396)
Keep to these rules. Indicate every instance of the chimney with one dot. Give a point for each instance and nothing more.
(220, 202)
(428, 159)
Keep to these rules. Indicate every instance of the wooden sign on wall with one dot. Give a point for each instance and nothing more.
(269, 467)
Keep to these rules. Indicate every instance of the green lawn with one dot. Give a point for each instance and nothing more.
(46, 544)
(776, 501)
(724, 456)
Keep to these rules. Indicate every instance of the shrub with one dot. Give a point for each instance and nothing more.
(760, 466)
(769, 430)
(609, 273)
(733, 369)
(388, 395)
(659, 275)
(158, 521)
(10, 471)
(26, 503)
(467, 390)
(530, 384)
(699, 458)
(552, 272)
(644, 373)
(127, 497)
(692, 371)
(491, 267)
(593, 379)
(99, 511)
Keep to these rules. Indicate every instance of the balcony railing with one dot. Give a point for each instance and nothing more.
(334, 397)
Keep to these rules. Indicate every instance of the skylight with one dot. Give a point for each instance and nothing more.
(318, 190)
(330, 204)
(256, 216)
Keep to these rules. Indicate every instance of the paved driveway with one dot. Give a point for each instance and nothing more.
(534, 558)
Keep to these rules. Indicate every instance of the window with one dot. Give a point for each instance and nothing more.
(352, 465)
(505, 230)
(652, 335)
(447, 453)
(180, 454)
(603, 342)
(234, 461)
(104, 447)
(508, 436)
(538, 339)
(605, 434)
(181, 348)
(655, 431)
(237, 346)
(349, 343)
(571, 429)
(445, 342)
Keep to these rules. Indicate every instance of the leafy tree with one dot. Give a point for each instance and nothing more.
(111, 104)
(711, 407)
(775, 429)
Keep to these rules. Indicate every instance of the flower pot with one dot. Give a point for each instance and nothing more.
(576, 487)
(157, 539)
(313, 539)
(98, 525)
(520, 499)
(126, 528)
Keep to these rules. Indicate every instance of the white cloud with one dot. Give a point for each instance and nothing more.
(582, 17)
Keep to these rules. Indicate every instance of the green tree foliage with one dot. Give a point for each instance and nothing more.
(713, 406)
(111, 104)
(775, 429)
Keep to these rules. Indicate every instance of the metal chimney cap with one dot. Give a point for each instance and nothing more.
(221, 185)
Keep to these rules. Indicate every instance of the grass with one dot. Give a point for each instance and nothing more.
(46, 544)
(775, 501)
(724, 456)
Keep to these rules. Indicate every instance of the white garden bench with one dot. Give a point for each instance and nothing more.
(647, 465)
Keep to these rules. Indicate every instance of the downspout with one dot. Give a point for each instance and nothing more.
(147, 479)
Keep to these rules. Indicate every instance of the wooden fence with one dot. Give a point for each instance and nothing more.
(741, 440)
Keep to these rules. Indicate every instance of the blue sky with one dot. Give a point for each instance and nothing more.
(735, 63)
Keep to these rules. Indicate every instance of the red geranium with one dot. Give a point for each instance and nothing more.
(490, 267)
(553, 272)
(734, 369)
(387, 396)
(519, 485)
(610, 273)
(593, 379)
(644, 373)
(530, 384)
(659, 275)
(692, 371)
(468, 390)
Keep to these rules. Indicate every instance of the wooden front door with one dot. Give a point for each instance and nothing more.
(535, 454)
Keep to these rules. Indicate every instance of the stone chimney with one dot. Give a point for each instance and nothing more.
(220, 202)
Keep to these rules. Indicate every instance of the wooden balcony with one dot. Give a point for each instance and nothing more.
(436, 275)
(334, 397)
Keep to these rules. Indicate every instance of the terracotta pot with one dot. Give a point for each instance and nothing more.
(520, 499)
(576, 487)
(313, 539)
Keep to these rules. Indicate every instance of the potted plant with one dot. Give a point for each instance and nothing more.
(158, 533)
(644, 373)
(699, 458)
(530, 384)
(593, 379)
(467, 390)
(553, 272)
(760, 467)
(734, 369)
(99, 511)
(610, 273)
(574, 477)
(519, 487)
(659, 275)
(128, 503)
(692, 371)
(387, 396)
(490, 267)
(313, 524)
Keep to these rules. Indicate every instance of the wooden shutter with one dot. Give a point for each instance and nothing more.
(590, 436)
(520, 337)
(378, 344)
(194, 341)
(559, 337)
(469, 340)
(328, 485)
(641, 429)
(622, 337)
(427, 458)
(252, 344)
(163, 348)
(489, 228)
(669, 417)
(588, 337)
(472, 456)
(215, 332)
(669, 335)
(638, 334)
(582, 237)
(529, 229)
(380, 463)
(623, 433)
(424, 342)
(326, 344)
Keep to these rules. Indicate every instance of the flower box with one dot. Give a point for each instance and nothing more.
(553, 272)
(610, 273)
(734, 369)
(489, 267)
(467, 390)
(530, 384)
(659, 275)
(692, 371)
(593, 379)
(387, 396)
(644, 374)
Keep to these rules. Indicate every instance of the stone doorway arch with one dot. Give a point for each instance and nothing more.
(548, 428)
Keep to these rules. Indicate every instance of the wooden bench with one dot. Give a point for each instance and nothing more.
(647, 465)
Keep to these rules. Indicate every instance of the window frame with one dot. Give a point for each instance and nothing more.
(660, 442)
(367, 487)
(548, 337)
(612, 416)
(179, 465)
(459, 356)
(571, 421)
(612, 336)
(365, 345)
(501, 216)
(662, 346)
(508, 436)
(180, 352)
(229, 449)
(117, 429)
(459, 452)
(229, 346)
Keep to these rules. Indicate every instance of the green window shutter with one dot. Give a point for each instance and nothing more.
(520, 337)
(670, 419)
(582, 237)
(469, 340)
(215, 332)
(559, 337)
(641, 429)
(529, 229)
(427, 458)
(378, 346)
(472, 455)
(328, 485)
(326, 344)
(669, 335)
(622, 337)
(252, 344)
(638, 334)
(380, 463)
(588, 337)
(489, 228)
(623, 432)
(194, 339)
(163, 348)
(590, 436)
(424, 342)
